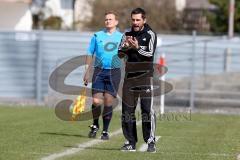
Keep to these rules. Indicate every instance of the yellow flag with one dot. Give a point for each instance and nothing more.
(79, 104)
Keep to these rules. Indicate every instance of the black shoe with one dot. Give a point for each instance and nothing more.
(128, 147)
(93, 131)
(151, 147)
(105, 135)
(125, 143)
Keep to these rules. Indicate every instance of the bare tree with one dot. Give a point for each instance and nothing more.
(161, 14)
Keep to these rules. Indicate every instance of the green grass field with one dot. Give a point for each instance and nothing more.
(35, 132)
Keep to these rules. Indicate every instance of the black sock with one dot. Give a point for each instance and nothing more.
(107, 116)
(96, 112)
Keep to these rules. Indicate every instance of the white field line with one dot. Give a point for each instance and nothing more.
(238, 157)
(144, 146)
(80, 147)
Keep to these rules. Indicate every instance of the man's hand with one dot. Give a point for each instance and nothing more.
(86, 78)
(133, 42)
(126, 45)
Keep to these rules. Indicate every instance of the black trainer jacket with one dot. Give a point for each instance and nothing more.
(144, 55)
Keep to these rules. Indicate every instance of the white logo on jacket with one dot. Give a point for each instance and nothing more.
(143, 47)
(148, 91)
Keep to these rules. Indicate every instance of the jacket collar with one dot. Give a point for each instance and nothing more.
(144, 30)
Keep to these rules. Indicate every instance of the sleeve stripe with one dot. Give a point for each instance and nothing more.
(121, 44)
(150, 53)
(145, 53)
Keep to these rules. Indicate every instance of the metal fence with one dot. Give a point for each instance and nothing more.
(212, 54)
(204, 69)
(28, 58)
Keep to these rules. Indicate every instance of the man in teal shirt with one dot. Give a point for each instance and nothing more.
(106, 77)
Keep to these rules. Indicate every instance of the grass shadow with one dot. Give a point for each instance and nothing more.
(64, 134)
(95, 148)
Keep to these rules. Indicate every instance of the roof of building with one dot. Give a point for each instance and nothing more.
(199, 4)
(16, 1)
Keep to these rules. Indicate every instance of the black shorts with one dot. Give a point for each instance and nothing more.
(106, 81)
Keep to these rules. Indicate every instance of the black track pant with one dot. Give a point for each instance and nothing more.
(130, 98)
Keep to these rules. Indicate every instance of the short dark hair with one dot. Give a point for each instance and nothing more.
(139, 11)
(112, 12)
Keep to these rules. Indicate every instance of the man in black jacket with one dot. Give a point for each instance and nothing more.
(138, 47)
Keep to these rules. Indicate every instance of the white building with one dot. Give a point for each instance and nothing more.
(180, 5)
(83, 12)
(63, 9)
(15, 15)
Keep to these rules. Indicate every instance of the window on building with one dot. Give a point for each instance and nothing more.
(67, 4)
